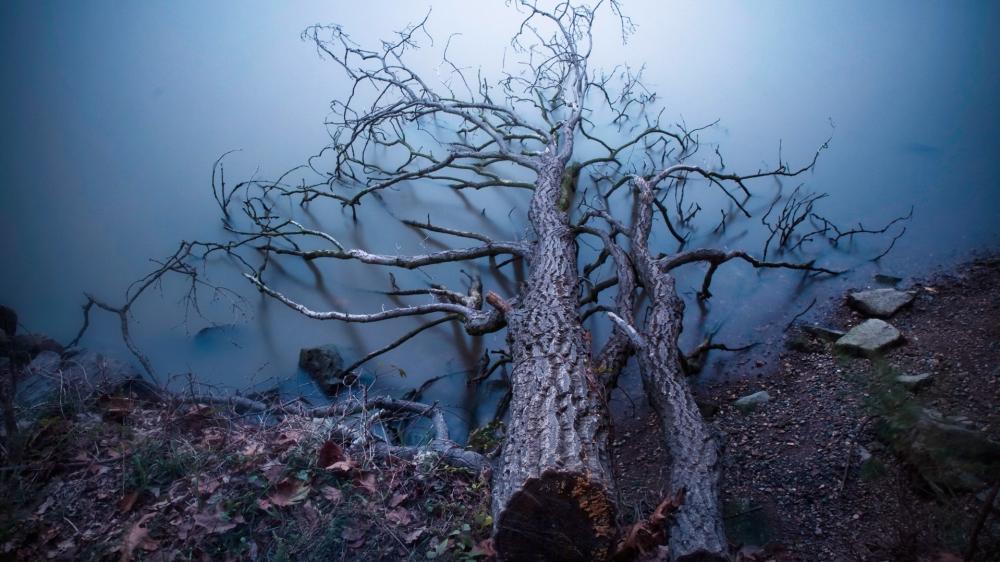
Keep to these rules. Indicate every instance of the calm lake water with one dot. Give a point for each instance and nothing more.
(114, 114)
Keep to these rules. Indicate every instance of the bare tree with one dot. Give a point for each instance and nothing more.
(573, 136)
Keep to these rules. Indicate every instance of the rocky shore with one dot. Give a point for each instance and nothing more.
(873, 435)
(881, 443)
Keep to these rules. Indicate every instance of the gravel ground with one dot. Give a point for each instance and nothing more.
(794, 477)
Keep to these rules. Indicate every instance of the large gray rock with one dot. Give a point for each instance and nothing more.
(750, 402)
(325, 365)
(881, 303)
(50, 378)
(25, 347)
(39, 380)
(946, 453)
(869, 337)
(98, 370)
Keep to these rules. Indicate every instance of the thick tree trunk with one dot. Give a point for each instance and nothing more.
(553, 486)
(696, 532)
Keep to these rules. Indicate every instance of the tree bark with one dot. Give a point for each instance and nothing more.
(553, 486)
(696, 532)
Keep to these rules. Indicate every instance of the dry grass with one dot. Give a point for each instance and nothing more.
(126, 480)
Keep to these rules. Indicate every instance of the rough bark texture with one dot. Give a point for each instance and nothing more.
(696, 532)
(553, 486)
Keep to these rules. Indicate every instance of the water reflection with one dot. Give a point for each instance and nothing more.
(115, 114)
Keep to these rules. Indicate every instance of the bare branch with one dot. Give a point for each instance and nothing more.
(628, 329)
(715, 258)
(399, 341)
(363, 318)
(406, 262)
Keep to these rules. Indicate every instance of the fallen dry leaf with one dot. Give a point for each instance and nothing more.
(645, 536)
(288, 492)
(252, 450)
(213, 438)
(412, 537)
(330, 453)
(286, 439)
(125, 504)
(310, 513)
(332, 494)
(485, 548)
(214, 522)
(352, 533)
(138, 537)
(343, 466)
(367, 483)
(273, 471)
(208, 487)
(399, 516)
(397, 499)
(355, 536)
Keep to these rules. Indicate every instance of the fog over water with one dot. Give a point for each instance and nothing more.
(115, 112)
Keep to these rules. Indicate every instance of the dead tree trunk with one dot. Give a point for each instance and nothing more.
(696, 531)
(552, 484)
(552, 489)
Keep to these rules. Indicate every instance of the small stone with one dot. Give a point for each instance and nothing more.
(798, 340)
(864, 454)
(822, 332)
(869, 337)
(914, 382)
(325, 365)
(881, 303)
(751, 401)
(887, 279)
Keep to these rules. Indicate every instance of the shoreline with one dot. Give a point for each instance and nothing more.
(807, 475)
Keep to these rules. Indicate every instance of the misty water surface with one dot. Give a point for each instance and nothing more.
(115, 112)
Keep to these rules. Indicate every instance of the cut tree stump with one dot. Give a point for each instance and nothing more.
(553, 487)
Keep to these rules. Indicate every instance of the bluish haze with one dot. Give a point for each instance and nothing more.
(114, 113)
